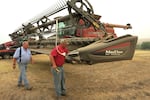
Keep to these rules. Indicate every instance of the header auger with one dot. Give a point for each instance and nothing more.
(90, 40)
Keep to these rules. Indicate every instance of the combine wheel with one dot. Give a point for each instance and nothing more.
(83, 5)
(6, 56)
(90, 62)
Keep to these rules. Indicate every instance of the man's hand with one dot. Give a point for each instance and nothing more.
(14, 66)
(57, 69)
(54, 66)
(32, 62)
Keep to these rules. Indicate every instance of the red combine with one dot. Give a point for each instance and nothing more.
(90, 40)
(7, 50)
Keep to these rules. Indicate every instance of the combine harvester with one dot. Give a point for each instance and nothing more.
(90, 40)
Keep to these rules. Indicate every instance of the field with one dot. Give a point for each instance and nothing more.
(119, 80)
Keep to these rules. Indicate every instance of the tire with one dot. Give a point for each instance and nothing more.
(6, 56)
(90, 62)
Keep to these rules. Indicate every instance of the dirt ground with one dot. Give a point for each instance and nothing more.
(119, 80)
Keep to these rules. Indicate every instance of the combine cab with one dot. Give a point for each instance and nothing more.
(90, 40)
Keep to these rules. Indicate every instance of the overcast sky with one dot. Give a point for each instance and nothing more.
(16, 12)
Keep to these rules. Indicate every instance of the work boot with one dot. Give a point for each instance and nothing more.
(63, 94)
(20, 85)
(28, 88)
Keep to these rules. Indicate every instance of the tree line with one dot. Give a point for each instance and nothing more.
(143, 46)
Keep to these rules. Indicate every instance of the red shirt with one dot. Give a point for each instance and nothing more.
(59, 59)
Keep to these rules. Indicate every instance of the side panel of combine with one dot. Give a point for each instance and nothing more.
(121, 48)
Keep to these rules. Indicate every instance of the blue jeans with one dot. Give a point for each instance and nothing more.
(59, 80)
(22, 76)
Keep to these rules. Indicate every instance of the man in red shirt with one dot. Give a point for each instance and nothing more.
(57, 58)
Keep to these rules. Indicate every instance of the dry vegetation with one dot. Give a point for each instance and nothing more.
(120, 80)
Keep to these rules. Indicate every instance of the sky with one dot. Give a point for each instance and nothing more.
(16, 12)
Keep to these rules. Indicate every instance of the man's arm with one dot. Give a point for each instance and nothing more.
(31, 60)
(14, 63)
(52, 61)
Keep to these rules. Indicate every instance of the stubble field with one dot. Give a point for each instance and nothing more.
(119, 80)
